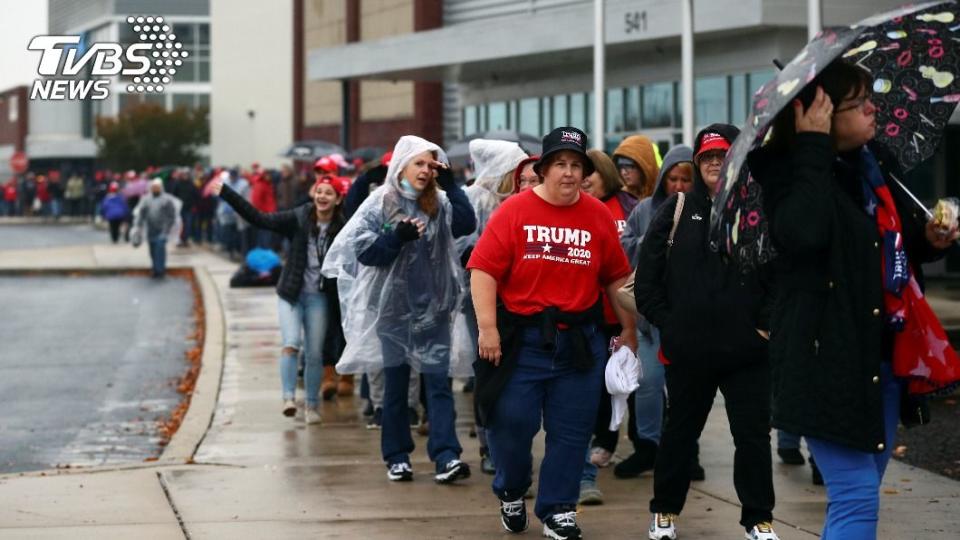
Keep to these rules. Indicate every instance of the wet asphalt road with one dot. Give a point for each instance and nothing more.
(87, 364)
(47, 236)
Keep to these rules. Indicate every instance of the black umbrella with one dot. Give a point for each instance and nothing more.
(913, 57)
(459, 152)
(311, 150)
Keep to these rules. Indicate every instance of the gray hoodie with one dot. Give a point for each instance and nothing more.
(639, 219)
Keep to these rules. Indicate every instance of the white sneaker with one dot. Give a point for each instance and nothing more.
(312, 416)
(762, 531)
(663, 527)
(289, 407)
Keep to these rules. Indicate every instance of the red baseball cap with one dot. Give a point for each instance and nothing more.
(712, 141)
(325, 165)
(339, 184)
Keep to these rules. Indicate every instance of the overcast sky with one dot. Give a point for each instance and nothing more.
(20, 20)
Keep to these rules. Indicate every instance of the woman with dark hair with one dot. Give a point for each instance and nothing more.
(305, 297)
(848, 277)
(400, 283)
(546, 255)
(712, 323)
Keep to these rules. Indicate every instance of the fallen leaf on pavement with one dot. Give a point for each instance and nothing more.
(890, 491)
(900, 451)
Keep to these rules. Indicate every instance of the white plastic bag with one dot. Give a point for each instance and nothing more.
(622, 377)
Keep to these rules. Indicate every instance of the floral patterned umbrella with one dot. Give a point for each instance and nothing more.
(912, 54)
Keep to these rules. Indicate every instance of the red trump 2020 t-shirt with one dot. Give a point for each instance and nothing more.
(544, 255)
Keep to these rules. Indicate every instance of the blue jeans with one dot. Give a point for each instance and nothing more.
(396, 443)
(545, 386)
(648, 404)
(158, 255)
(786, 440)
(303, 324)
(853, 477)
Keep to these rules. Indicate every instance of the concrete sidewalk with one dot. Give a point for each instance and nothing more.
(252, 473)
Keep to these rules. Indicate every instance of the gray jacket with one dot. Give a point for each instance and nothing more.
(157, 215)
(639, 218)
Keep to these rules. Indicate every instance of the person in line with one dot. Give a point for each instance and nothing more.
(115, 210)
(547, 254)
(231, 226)
(305, 296)
(676, 175)
(496, 164)
(849, 286)
(189, 194)
(155, 216)
(605, 184)
(637, 161)
(712, 320)
(400, 280)
(524, 177)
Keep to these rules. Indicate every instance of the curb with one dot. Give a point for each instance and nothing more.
(203, 402)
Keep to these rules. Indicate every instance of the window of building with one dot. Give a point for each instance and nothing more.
(710, 100)
(13, 108)
(739, 100)
(657, 105)
(203, 100)
(615, 110)
(187, 101)
(497, 116)
(469, 121)
(529, 116)
(560, 114)
(196, 43)
(631, 109)
(578, 111)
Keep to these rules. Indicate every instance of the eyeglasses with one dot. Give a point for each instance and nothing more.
(858, 103)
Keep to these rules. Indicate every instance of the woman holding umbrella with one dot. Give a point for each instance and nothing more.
(849, 306)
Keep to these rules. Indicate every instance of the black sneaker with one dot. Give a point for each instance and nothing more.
(454, 470)
(468, 386)
(791, 456)
(376, 419)
(400, 472)
(414, 416)
(513, 515)
(638, 463)
(562, 526)
(368, 408)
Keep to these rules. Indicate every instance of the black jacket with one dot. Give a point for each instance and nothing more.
(706, 309)
(296, 225)
(828, 337)
(187, 192)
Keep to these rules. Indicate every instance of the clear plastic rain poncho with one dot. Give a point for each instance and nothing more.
(407, 306)
(491, 161)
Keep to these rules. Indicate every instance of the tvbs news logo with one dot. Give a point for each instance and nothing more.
(151, 62)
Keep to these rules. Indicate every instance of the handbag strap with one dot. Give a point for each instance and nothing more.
(676, 220)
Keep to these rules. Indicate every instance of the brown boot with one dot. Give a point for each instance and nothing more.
(328, 388)
(345, 386)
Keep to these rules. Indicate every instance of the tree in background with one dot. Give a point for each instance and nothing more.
(149, 135)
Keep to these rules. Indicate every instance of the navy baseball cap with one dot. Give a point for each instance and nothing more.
(565, 138)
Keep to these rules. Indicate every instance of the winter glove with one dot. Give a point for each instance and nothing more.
(445, 179)
(406, 231)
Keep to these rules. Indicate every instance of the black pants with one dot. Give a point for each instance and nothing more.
(746, 391)
(115, 229)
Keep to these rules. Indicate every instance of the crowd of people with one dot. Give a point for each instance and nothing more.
(528, 276)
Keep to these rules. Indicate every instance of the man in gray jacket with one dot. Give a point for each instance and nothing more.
(155, 216)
